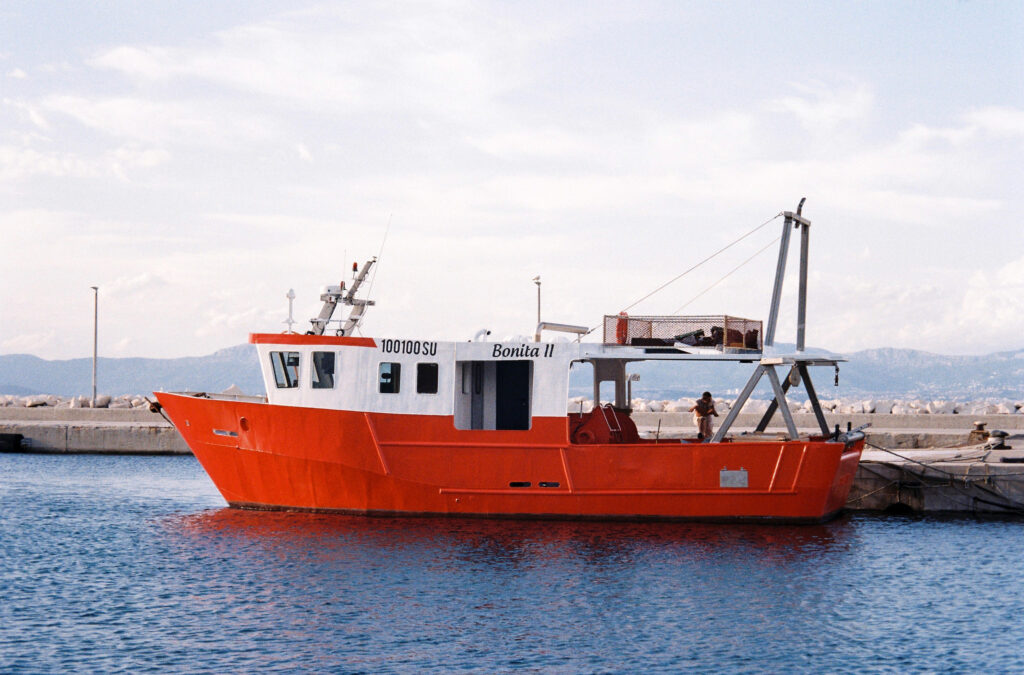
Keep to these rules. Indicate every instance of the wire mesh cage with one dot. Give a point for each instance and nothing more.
(720, 331)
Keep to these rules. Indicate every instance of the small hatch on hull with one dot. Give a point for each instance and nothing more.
(732, 479)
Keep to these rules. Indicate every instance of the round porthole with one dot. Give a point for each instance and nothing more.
(243, 423)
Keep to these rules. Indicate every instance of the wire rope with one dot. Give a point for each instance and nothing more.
(692, 268)
(710, 257)
(731, 272)
(380, 254)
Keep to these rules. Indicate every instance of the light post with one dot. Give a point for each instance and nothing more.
(633, 377)
(536, 280)
(95, 335)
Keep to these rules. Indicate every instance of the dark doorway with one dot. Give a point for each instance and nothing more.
(512, 401)
(476, 395)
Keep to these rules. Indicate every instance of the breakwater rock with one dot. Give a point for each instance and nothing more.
(868, 406)
(123, 402)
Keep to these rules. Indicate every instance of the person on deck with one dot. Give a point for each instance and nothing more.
(702, 411)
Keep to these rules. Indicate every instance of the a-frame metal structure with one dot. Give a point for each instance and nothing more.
(798, 365)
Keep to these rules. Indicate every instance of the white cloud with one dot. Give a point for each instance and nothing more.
(549, 143)
(227, 322)
(431, 58)
(208, 174)
(998, 121)
(148, 63)
(29, 111)
(121, 347)
(25, 162)
(17, 74)
(126, 286)
(29, 343)
(919, 136)
(21, 162)
(950, 311)
(992, 303)
(823, 108)
(978, 124)
(136, 118)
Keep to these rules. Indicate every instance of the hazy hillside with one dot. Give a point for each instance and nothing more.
(869, 373)
(906, 371)
(873, 372)
(23, 374)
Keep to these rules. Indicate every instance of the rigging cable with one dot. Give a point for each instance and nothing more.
(380, 254)
(710, 257)
(734, 269)
(713, 255)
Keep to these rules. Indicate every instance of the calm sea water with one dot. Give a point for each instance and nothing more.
(129, 564)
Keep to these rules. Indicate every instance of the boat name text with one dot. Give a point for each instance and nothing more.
(522, 351)
(415, 347)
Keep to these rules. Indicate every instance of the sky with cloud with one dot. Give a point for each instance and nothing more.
(196, 160)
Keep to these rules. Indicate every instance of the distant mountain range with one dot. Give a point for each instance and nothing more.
(871, 373)
(23, 374)
(891, 373)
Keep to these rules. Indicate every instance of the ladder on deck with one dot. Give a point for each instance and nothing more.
(614, 428)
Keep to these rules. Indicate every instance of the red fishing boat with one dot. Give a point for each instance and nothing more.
(478, 428)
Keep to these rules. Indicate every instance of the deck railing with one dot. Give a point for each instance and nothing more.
(721, 331)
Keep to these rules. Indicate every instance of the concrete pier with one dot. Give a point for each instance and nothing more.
(889, 431)
(99, 431)
(931, 463)
(974, 480)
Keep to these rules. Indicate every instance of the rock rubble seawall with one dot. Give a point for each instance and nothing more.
(123, 402)
(837, 406)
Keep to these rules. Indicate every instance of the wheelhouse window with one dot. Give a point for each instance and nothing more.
(323, 370)
(389, 378)
(286, 369)
(426, 378)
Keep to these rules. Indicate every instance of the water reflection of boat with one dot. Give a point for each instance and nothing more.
(395, 426)
(470, 540)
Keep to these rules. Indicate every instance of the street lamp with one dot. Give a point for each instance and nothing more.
(536, 280)
(95, 334)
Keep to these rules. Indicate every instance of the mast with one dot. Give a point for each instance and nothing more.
(798, 363)
(333, 295)
(791, 220)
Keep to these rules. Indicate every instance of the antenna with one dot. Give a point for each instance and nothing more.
(333, 295)
(380, 253)
(290, 320)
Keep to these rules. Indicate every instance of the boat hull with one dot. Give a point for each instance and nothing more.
(291, 458)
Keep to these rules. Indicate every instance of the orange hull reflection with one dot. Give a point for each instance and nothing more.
(281, 457)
